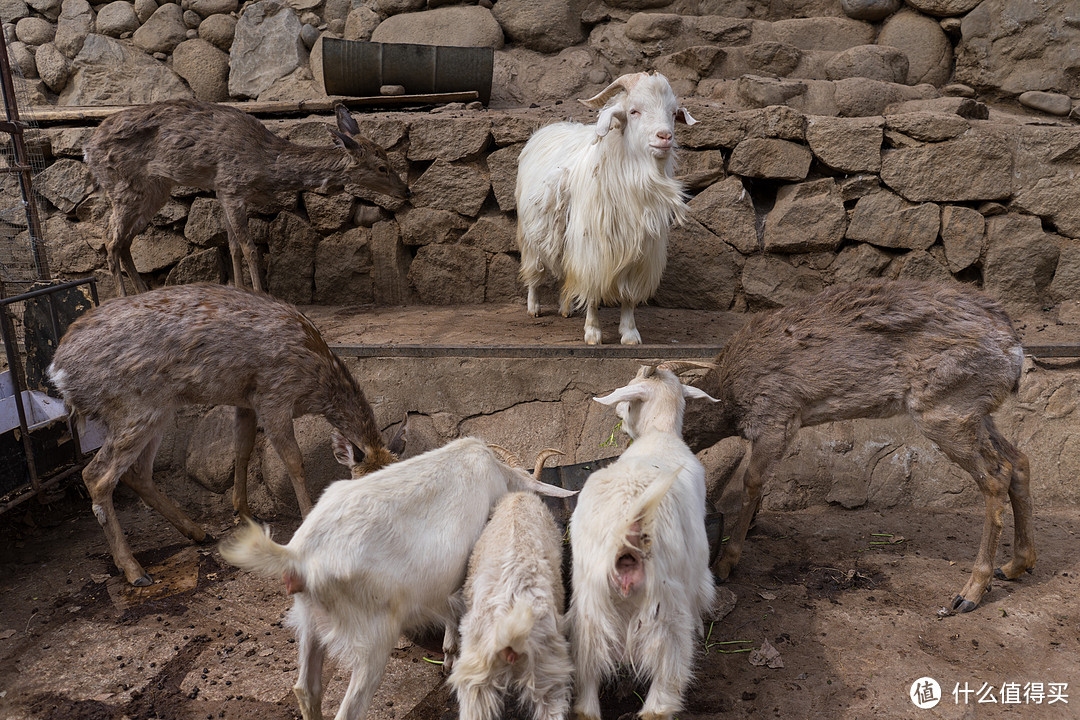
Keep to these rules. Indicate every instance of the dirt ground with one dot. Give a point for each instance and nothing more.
(849, 599)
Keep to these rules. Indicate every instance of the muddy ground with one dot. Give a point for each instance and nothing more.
(849, 600)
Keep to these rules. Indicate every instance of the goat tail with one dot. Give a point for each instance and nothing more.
(644, 507)
(251, 548)
(514, 628)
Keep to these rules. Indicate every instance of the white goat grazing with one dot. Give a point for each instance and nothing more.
(378, 556)
(641, 579)
(595, 203)
(512, 631)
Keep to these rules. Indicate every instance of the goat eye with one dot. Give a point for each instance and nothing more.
(635, 111)
(382, 168)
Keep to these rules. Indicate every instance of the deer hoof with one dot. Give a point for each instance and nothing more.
(959, 604)
(1000, 574)
(144, 581)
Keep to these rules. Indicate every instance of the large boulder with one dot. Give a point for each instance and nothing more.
(1020, 262)
(163, 31)
(266, 48)
(542, 25)
(927, 47)
(205, 67)
(877, 62)
(109, 72)
(975, 166)
(76, 21)
(807, 217)
(117, 18)
(459, 26)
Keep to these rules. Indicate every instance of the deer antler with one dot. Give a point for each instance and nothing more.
(624, 83)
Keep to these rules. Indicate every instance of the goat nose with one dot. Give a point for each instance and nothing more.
(663, 134)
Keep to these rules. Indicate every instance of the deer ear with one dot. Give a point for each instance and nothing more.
(345, 142)
(343, 449)
(346, 122)
(401, 437)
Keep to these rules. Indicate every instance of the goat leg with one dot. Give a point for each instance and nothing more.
(592, 324)
(628, 331)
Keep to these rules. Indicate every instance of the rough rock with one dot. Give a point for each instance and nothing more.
(541, 25)
(502, 279)
(157, 248)
(1065, 286)
(144, 9)
(502, 165)
(201, 266)
(449, 274)
(163, 31)
(869, 10)
(459, 26)
(76, 21)
(862, 97)
(65, 184)
(69, 247)
(328, 213)
(1020, 262)
(52, 67)
(13, 10)
(921, 39)
(963, 232)
(807, 217)
(493, 233)
(447, 138)
(769, 282)
(727, 209)
(859, 262)
(211, 451)
(34, 31)
(771, 159)
(1015, 47)
(108, 72)
(49, 9)
(361, 23)
(266, 48)
(391, 260)
(928, 126)
(343, 268)
(943, 8)
(291, 264)
(22, 60)
(117, 18)
(877, 62)
(702, 270)
(205, 67)
(218, 30)
(851, 145)
(205, 224)
(975, 166)
(1052, 103)
(206, 8)
(698, 169)
(430, 226)
(925, 266)
(394, 7)
(887, 220)
(461, 187)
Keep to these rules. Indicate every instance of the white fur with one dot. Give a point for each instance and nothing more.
(595, 203)
(514, 596)
(378, 556)
(657, 486)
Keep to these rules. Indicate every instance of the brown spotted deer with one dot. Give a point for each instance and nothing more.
(946, 355)
(138, 155)
(131, 362)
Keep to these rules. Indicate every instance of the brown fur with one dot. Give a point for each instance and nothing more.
(131, 362)
(947, 355)
(139, 154)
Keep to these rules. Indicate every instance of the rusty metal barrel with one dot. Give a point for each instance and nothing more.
(354, 67)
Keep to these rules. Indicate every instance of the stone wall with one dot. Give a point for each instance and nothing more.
(783, 203)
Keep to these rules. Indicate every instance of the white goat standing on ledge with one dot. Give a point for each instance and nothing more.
(595, 202)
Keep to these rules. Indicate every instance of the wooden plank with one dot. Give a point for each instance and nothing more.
(53, 115)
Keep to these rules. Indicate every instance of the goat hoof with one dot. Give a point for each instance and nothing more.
(144, 581)
(959, 604)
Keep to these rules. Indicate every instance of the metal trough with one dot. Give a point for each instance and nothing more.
(354, 67)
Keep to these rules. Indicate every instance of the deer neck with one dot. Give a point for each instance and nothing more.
(300, 167)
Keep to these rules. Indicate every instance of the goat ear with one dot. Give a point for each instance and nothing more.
(551, 490)
(637, 391)
(689, 391)
(345, 121)
(343, 449)
(345, 142)
(607, 116)
(683, 115)
(401, 437)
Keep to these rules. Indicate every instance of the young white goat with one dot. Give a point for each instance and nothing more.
(378, 556)
(512, 632)
(641, 579)
(595, 202)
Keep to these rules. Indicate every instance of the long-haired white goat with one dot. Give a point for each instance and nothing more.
(641, 579)
(595, 203)
(512, 635)
(378, 556)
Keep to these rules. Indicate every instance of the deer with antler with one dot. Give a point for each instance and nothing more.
(595, 202)
(138, 155)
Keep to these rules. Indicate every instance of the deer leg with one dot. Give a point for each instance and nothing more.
(132, 211)
(140, 478)
(968, 444)
(592, 323)
(246, 427)
(627, 327)
(764, 452)
(1020, 497)
(279, 429)
(236, 224)
(101, 476)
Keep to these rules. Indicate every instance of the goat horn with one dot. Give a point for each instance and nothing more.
(624, 83)
(541, 458)
(681, 366)
(505, 455)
